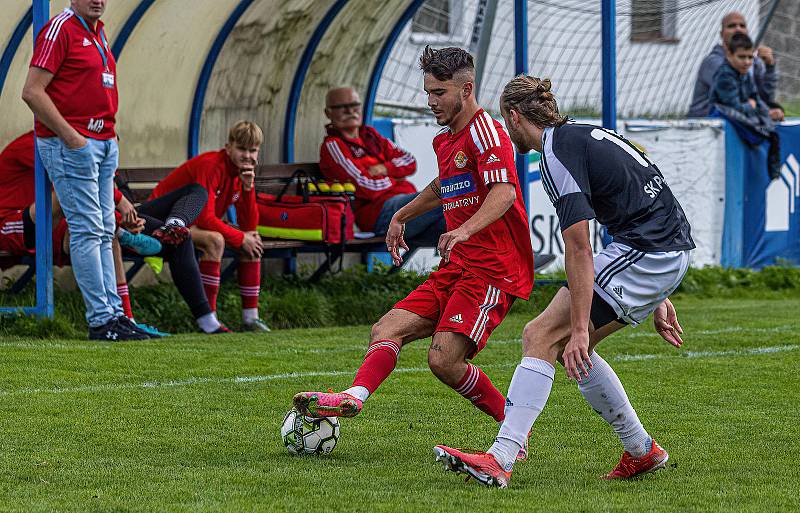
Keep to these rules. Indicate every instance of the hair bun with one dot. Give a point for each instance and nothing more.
(543, 86)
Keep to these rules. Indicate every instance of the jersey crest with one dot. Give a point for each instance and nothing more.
(460, 160)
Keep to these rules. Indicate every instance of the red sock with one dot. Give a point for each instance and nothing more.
(124, 295)
(209, 274)
(249, 283)
(378, 363)
(478, 388)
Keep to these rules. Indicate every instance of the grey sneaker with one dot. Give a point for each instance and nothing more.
(256, 325)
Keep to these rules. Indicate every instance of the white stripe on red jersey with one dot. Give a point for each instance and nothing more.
(353, 171)
(51, 36)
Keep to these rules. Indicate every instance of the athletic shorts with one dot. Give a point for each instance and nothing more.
(634, 282)
(12, 234)
(460, 302)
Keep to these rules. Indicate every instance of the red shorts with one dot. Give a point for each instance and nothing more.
(460, 302)
(12, 235)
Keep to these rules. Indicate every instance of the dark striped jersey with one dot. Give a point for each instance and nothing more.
(593, 173)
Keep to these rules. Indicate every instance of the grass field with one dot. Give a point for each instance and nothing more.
(191, 423)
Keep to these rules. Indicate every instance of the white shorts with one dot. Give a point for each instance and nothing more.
(634, 282)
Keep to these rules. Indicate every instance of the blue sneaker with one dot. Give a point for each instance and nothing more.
(152, 331)
(140, 243)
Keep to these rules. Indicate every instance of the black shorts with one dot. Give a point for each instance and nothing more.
(602, 313)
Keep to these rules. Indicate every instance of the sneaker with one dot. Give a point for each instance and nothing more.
(256, 325)
(139, 243)
(172, 234)
(128, 324)
(522, 455)
(151, 330)
(221, 330)
(630, 466)
(321, 404)
(480, 465)
(113, 331)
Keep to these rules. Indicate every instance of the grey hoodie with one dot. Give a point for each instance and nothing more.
(766, 78)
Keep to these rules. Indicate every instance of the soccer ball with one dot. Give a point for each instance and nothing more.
(307, 435)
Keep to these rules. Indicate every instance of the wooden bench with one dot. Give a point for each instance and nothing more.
(271, 179)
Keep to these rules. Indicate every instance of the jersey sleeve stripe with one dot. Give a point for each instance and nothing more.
(476, 139)
(50, 38)
(487, 142)
(491, 137)
(353, 171)
(563, 181)
(405, 160)
(547, 180)
(503, 175)
(491, 128)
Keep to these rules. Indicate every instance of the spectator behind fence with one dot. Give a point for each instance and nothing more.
(352, 152)
(72, 89)
(764, 71)
(228, 176)
(735, 97)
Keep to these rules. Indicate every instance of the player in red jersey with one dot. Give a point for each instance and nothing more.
(228, 175)
(487, 260)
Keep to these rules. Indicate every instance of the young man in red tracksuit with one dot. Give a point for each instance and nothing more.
(228, 176)
(352, 152)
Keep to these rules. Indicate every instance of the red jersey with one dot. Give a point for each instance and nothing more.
(84, 89)
(220, 177)
(16, 175)
(470, 161)
(348, 160)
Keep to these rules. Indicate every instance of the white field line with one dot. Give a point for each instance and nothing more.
(642, 332)
(328, 374)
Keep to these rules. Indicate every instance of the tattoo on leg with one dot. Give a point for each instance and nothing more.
(436, 347)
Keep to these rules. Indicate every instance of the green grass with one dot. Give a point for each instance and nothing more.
(166, 426)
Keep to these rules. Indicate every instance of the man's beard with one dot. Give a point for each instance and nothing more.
(458, 107)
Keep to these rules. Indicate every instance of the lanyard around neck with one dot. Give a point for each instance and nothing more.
(101, 49)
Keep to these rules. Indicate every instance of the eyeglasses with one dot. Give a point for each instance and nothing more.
(345, 106)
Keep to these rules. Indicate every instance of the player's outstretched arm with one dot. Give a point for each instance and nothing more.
(426, 201)
(665, 320)
(500, 198)
(580, 276)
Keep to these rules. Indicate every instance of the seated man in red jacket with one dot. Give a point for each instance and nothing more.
(228, 175)
(352, 152)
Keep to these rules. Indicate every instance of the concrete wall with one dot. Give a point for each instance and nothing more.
(162, 61)
(783, 35)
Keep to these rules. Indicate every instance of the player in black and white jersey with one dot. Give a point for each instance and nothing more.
(589, 173)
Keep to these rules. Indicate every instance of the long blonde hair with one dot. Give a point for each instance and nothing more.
(531, 97)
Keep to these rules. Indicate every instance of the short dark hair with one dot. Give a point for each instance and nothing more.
(446, 62)
(739, 41)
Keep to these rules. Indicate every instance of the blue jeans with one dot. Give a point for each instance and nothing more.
(84, 183)
(420, 231)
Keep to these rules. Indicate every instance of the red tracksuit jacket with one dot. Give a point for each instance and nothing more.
(348, 160)
(217, 174)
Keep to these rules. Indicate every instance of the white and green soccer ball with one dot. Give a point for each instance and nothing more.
(307, 435)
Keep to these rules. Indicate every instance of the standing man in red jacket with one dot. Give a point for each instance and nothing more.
(353, 152)
(228, 176)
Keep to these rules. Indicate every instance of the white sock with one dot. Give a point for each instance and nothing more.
(249, 314)
(360, 393)
(175, 220)
(527, 395)
(604, 392)
(208, 322)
